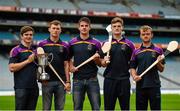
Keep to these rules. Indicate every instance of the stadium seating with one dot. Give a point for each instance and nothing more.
(171, 72)
(100, 1)
(167, 10)
(149, 2)
(6, 35)
(103, 7)
(140, 6)
(61, 4)
(7, 3)
(6, 79)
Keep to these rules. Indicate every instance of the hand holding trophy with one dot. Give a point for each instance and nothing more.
(43, 62)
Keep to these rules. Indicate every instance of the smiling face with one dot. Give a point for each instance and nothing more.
(27, 37)
(26, 34)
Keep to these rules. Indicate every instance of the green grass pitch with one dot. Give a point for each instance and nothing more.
(168, 102)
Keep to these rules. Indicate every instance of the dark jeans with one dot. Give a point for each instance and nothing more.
(153, 95)
(91, 86)
(49, 89)
(116, 89)
(26, 99)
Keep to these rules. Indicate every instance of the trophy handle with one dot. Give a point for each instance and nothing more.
(50, 54)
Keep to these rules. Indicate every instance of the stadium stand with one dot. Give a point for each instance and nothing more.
(149, 2)
(171, 72)
(99, 1)
(6, 35)
(7, 3)
(61, 4)
(6, 79)
(103, 7)
(167, 10)
(166, 7)
(140, 6)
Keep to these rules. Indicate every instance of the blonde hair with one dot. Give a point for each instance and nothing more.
(145, 28)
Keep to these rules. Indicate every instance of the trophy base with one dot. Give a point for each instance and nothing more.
(44, 76)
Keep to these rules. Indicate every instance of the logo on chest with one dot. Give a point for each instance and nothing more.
(89, 47)
(153, 54)
(123, 47)
(60, 49)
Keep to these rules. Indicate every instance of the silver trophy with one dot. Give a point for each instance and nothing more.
(43, 61)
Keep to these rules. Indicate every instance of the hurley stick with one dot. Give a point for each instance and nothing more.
(109, 30)
(105, 48)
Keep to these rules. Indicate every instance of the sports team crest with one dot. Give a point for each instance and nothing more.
(61, 49)
(153, 54)
(89, 47)
(123, 47)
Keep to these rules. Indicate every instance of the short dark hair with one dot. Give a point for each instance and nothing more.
(85, 19)
(117, 19)
(55, 22)
(25, 29)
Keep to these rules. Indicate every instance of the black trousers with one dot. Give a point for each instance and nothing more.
(153, 95)
(116, 89)
(26, 99)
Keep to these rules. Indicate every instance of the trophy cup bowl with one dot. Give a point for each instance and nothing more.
(43, 62)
